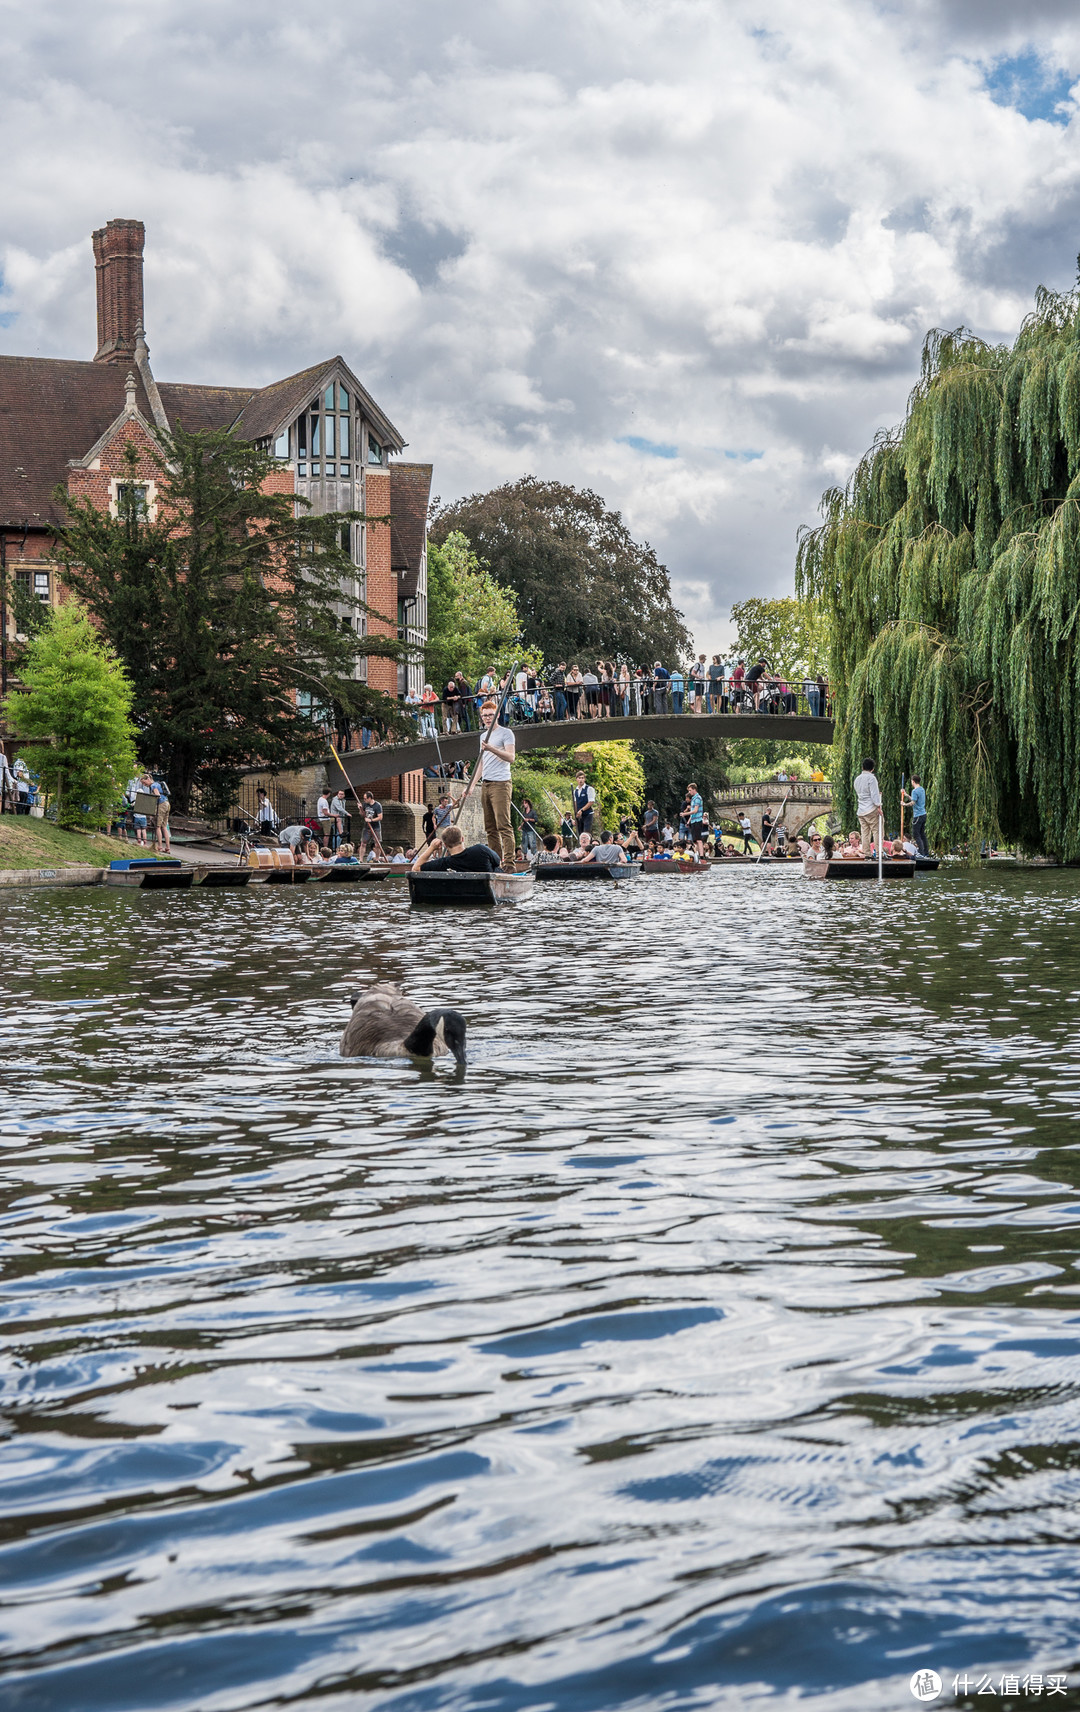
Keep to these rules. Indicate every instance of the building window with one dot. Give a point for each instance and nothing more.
(131, 499)
(374, 450)
(329, 433)
(281, 444)
(343, 437)
(328, 401)
(33, 582)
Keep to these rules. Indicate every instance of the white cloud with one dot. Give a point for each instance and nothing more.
(544, 231)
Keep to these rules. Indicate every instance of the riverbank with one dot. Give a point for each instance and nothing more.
(28, 845)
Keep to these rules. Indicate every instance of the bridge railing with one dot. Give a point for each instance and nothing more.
(773, 790)
(590, 704)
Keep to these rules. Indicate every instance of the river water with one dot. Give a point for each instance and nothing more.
(714, 1340)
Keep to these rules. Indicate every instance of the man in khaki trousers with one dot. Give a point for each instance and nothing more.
(868, 803)
(495, 786)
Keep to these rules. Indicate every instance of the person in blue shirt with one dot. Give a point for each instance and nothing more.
(675, 684)
(917, 799)
(661, 679)
(695, 815)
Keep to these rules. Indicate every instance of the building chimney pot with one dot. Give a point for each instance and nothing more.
(118, 253)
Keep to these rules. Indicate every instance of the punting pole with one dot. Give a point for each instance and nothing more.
(471, 786)
(880, 845)
(762, 847)
(359, 804)
(901, 808)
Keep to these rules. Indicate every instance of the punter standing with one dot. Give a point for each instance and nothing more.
(868, 803)
(496, 756)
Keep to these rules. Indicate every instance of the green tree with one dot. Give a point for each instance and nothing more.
(615, 772)
(585, 588)
(950, 566)
(226, 611)
(473, 621)
(793, 635)
(669, 764)
(76, 703)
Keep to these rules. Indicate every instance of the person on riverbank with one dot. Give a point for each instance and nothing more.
(529, 824)
(868, 803)
(496, 758)
(747, 831)
(917, 803)
(650, 825)
(695, 818)
(450, 852)
(339, 818)
(584, 804)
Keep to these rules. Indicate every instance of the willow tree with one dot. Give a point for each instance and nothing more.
(950, 566)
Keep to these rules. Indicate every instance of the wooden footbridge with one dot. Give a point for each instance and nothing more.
(389, 760)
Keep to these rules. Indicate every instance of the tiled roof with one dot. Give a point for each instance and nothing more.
(197, 408)
(410, 491)
(52, 411)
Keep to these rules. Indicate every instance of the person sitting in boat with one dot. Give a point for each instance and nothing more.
(584, 845)
(661, 855)
(551, 849)
(852, 850)
(607, 853)
(307, 854)
(632, 845)
(398, 858)
(346, 855)
(450, 852)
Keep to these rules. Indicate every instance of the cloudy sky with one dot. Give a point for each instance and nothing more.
(681, 251)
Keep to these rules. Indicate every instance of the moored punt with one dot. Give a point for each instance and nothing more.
(148, 874)
(345, 873)
(569, 871)
(927, 864)
(447, 886)
(220, 876)
(654, 865)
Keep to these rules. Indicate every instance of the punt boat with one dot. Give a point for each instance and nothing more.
(232, 878)
(148, 873)
(651, 865)
(446, 886)
(567, 873)
(868, 870)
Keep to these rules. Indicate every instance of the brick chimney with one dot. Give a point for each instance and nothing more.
(118, 251)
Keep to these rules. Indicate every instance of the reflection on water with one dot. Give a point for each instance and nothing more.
(717, 1336)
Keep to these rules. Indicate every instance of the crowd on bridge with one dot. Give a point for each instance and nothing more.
(604, 689)
(613, 690)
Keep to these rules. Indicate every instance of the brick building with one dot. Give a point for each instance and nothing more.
(68, 423)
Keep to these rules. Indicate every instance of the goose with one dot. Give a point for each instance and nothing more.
(385, 1024)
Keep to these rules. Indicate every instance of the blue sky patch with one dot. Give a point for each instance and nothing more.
(651, 448)
(744, 457)
(1026, 82)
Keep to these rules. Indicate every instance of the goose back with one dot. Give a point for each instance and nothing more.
(382, 1020)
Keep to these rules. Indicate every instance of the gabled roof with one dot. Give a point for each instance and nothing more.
(274, 407)
(50, 412)
(410, 492)
(53, 411)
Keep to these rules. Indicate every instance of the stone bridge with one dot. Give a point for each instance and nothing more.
(793, 804)
(365, 766)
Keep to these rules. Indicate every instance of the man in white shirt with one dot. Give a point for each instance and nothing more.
(868, 803)
(496, 754)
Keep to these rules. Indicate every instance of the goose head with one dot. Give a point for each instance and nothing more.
(442, 1027)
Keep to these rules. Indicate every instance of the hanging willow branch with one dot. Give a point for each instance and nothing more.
(950, 566)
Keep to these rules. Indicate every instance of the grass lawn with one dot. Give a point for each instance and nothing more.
(29, 843)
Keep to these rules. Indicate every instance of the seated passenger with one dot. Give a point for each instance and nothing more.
(346, 854)
(449, 852)
(607, 853)
(551, 849)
